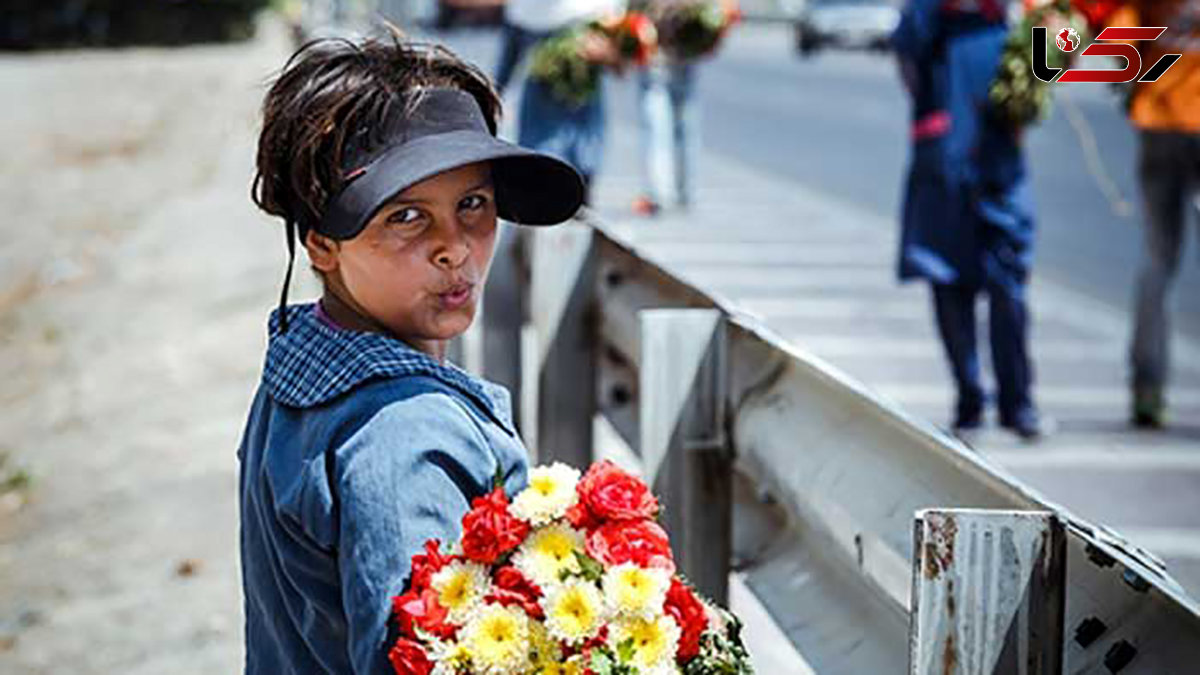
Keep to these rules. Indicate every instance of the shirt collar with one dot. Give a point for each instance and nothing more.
(313, 363)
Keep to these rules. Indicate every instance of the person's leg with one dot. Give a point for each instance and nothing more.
(588, 126)
(1163, 186)
(685, 117)
(513, 45)
(537, 120)
(572, 135)
(654, 117)
(954, 309)
(1008, 326)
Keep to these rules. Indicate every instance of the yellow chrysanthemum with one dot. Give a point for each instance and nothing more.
(550, 493)
(574, 610)
(544, 650)
(497, 638)
(461, 587)
(655, 642)
(449, 658)
(630, 590)
(548, 551)
(572, 666)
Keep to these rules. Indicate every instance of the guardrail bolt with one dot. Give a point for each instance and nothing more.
(1136, 581)
(1088, 631)
(1119, 656)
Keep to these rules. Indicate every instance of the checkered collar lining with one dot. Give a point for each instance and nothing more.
(313, 363)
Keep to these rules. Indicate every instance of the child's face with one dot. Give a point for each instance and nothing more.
(419, 266)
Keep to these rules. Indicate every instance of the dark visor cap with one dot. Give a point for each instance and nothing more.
(440, 130)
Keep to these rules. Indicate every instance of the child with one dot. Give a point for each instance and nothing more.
(362, 442)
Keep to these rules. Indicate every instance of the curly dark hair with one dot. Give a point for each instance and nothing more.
(329, 89)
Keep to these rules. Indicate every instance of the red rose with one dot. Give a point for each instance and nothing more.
(427, 564)
(489, 530)
(580, 518)
(408, 658)
(643, 543)
(612, 494)
(512, 588)
(688, 612)
(422, 609)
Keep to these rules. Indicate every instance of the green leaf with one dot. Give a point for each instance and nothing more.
(589, 568)
(625, 650)
(601, 663)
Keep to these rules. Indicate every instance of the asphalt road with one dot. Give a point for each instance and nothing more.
(837, 124)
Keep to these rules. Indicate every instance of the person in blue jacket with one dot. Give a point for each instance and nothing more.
(362, 441)
(968, 223)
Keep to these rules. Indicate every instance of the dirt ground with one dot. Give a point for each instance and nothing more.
(135, 278)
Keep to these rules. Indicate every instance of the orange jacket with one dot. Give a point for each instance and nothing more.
(1173, 102)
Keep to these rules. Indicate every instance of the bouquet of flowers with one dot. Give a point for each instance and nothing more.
(572, 576)
(692, 29)
(571, 62)
(635, 35)
(558, 62)
(1097, 12)
(1016, 94)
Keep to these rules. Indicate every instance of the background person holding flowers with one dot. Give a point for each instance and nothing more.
(561, 32)
(1166, 114)
(968, 224)
(688, 31)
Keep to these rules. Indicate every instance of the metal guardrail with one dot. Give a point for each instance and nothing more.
(996, 579)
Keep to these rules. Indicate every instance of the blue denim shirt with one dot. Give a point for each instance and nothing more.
(357, 450)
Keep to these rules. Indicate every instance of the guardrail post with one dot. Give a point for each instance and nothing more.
(684, 446)
(562, 299)
(988, 593)
(505, 312)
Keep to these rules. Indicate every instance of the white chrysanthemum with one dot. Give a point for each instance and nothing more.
(630, 590)
(549, 550)
(497, 639)
(574, 611)
(655, 642)
(461, 587)
(550, 493)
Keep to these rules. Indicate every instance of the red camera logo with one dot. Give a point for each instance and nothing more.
(1110, 42)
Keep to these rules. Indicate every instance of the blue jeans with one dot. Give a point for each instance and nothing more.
(669, 131)
(1008, 324)
(1170, 179)
(573, 134)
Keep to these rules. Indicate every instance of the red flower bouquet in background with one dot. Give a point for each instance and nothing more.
(690, 30)
(1096, 12)
(635, 36)
(574, 576)
(571, 62)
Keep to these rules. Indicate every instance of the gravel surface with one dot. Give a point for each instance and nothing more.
(135, 278)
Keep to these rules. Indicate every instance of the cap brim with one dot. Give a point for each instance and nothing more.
(531, 188)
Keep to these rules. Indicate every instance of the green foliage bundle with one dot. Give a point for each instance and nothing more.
(1016, 95)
